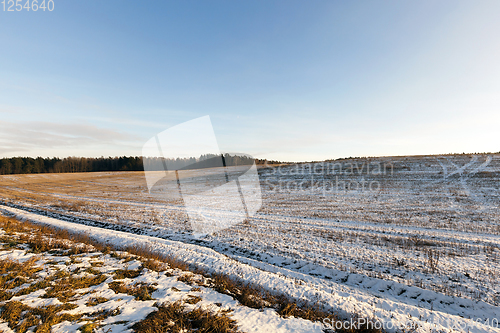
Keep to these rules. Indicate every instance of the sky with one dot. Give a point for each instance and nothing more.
(282, 80)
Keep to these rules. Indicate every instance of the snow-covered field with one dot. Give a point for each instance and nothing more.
(107, 291)
(384, 238)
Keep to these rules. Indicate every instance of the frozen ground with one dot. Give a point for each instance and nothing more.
(108, 292)
(384, 237)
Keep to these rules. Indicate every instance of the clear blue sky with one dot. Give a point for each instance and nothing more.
(288, 80)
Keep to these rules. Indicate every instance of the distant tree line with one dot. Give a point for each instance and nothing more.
(16, 165)
(204, 161)
(19, 165)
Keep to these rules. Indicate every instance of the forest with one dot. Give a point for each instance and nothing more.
(27, 165)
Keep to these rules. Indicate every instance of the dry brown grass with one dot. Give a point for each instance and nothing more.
(10, 269)
(173, 318)
(192, 299)
(127, 273)
(148, 253)
(154, 265)
(64, 287)
(140, 291)
(20, 317)
(96, 300)
(42, 238)
(13, 274)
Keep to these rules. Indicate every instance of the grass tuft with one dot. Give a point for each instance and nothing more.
(140, 291)
(173, 318)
